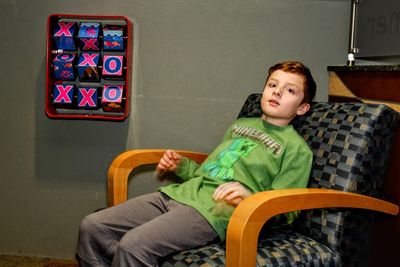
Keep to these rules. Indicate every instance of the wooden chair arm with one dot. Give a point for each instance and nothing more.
(126, 162)
(248, 217)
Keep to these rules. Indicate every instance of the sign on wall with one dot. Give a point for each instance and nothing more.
(88, 67)
(377, 31)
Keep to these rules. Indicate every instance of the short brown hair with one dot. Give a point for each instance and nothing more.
(299, 68)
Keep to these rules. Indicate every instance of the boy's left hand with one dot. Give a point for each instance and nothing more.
(232, 193)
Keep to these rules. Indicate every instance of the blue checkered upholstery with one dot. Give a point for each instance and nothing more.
(351, 143)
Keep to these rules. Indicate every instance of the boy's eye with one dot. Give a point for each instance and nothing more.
(291, 91)
(271, 85)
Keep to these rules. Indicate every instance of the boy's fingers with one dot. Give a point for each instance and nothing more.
(217, 192)
(232, 195)
(166, 162)
(234, 202)
(223, 190)
(232, 192)
(170, 154)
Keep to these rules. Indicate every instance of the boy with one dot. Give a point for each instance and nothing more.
(255, 154)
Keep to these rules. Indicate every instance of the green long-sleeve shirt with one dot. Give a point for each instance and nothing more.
(259, 155)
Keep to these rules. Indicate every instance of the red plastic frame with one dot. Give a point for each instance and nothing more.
(50, 109)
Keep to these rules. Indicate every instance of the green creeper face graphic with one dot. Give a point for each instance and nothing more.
(223, 167)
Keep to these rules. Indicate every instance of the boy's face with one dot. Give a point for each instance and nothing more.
(282, 98)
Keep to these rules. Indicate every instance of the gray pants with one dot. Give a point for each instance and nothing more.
(140, 232)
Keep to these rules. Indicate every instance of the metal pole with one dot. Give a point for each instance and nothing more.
(352, 49)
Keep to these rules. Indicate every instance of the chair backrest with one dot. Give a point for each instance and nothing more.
(351, 143)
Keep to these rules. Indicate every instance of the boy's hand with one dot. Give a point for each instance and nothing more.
(232, 193)
(168, 162)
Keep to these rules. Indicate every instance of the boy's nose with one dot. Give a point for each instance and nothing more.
(278, 91)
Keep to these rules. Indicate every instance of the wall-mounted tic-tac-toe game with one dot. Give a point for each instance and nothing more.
(88, 68)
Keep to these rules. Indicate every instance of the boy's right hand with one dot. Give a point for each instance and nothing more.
(232, 193)
(168, 162)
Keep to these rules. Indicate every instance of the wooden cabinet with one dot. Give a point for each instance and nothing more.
(376, 84)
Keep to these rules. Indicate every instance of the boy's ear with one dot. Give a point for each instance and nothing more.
(303, 108)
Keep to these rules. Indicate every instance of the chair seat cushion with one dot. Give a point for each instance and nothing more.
(280, 248)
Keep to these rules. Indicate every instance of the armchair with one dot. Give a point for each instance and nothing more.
(351, 143)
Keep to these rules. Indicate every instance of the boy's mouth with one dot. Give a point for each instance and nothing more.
(273, 102)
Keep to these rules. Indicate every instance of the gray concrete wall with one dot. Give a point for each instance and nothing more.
(195, 61)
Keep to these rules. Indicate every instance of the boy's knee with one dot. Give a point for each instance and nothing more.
(131, 242)
(87, 225)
